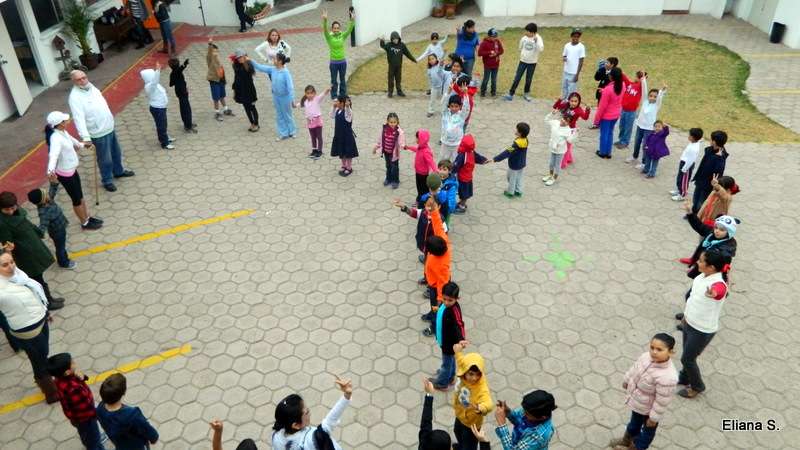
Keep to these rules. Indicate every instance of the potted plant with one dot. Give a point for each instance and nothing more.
(438, 10)
(450, 8)
(259, 10)
(78, 23)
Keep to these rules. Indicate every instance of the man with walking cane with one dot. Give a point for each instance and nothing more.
(95, 125)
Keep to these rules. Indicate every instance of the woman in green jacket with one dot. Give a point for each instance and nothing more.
(24, 240)
(335, 38)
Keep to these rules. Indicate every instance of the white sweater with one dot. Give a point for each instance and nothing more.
(703, 312)
(648, 113)
(21, 305)
(63, 157)
(267, 52)
(90, 111)
(305, 438)
(689, 155)
(559, 136)
(529, 50)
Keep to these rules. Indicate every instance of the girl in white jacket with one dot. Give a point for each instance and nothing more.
(560, 135)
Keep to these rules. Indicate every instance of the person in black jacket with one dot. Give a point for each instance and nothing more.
(448, 326)
(430, 439)
(244, 19)
(712, 165)
(244, 91)
(161, 12)
(178, 81)
(395, 50)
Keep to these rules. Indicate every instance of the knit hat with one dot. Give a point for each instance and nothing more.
(36, 196)
(56, 117)
(434, 181)
(58, 364)
(729, 223)
(492, 32)
(539, 403)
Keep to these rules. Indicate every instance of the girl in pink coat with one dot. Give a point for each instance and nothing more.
(609, 110)
(423, 161)
(650, 385)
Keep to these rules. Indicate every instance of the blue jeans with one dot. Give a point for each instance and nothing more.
(37, 350)
(284, 122)
(568, 85)
(606, 135)
(638, 430)
(650, 165)
(626, 127)
(59, 238)
(166, 33)
(338, 74)
(468, 65)
(392, 169)
(89, 433)
(528, 70)
(160, 118)
(109, 157)
(641, 136)
(447, 371)
(487, 74)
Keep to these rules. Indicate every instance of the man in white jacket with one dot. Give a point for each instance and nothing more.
(95, 125)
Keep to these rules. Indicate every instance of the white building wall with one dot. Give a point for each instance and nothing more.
(788, 13)
(495, 8)
(714, 8)
(611, 7)
(217, 12)
(377, 19)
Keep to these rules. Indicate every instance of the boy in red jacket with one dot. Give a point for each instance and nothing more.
(631, 98)
(463, 166)
(76, 399)
(490, 50)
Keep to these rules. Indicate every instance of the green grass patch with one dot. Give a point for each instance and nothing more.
(705, 80)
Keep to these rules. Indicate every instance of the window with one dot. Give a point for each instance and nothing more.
(47, 12)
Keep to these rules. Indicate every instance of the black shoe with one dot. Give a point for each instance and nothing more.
(55, 306)
(110, 187)
(343, 173)
(422, 282)
(427, 317)
(428, 92)
(241, 31)
(96, 220)
(57, 300)
(401, 94)
(428, 332)
(390, 95)
(125, 174)
(598, 154)
(679, 327)
(422, 259)
(679, 316)
(427, 294)
(89, 225)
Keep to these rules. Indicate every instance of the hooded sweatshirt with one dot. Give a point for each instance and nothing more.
(395, 49)
(453, 125)
(467, 157)
(516, 154)
(126, 427)
(711, 164)
(156, 94)
(465, 43)
(471, 393)
(559, 136)
(484, 51)
(423, 158)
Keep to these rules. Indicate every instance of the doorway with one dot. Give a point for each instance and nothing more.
(22, 46)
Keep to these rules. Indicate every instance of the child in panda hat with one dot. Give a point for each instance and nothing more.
(720, 237)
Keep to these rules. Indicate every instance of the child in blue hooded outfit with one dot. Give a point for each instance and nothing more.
(282, 95)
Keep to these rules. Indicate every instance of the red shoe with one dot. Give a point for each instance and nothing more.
(687, 261)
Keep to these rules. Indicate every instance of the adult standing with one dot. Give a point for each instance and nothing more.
(23, 314)
(139, 13)
(335, 38)
(273, 45)
(95, 125)
(62, 166)
(282, 95)
(244, 19)
(161, 11)
(244, 90)
(608, 111)
(24, 239)
(466, 42)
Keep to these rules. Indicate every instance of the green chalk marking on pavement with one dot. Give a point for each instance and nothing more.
(561, 260)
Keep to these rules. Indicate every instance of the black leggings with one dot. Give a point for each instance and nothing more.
(252, 113)
(72, 185)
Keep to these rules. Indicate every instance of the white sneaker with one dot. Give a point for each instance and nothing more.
(677, 198)
(629, 160)
(527, 98)
(547, 177)
(673, 192)
(640, 166)
(169, 147)
(550, 182)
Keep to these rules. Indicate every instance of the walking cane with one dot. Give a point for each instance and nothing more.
(96, 178)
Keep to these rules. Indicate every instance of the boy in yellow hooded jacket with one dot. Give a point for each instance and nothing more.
(472, 400)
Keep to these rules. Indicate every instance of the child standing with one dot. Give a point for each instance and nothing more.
(52, 220)
(313, 113)
(453, 119)
(449, 187)
(344, 140)
(438, 80)
(157, 97)
(436, 48)
(463, 166)
(631, 99)
(655, 148)
(573, 55)
(449, 329)
(711, 166)
(391, 140)
(530, 45)
(572, 110)
(466, 41)
(718, 236)
(650, 384)
(125, 425)
(648, 113)
(216, 81)
(517, 155)
(178, 81)
(688, 158)
(533, 425)
(718, 203)
(244, 90)
(282, 95)
(437, 263)
(560, 136)
(472, 400)
(395, 50)
(466, 88)
(453, 71)
(76, 399)
(423, 162)
(490, 50)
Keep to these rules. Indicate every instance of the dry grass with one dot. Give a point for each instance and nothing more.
(705, 80)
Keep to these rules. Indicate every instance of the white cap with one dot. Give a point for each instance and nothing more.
(56, 117)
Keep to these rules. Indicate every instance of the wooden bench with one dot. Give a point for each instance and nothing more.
(117, 32)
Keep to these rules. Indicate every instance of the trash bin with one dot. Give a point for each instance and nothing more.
(776, 35)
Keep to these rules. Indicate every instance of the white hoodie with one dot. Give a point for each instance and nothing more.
(156, 93)
(93, 118)
(559, 136)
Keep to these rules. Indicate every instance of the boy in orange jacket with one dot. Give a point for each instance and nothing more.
(437, 263)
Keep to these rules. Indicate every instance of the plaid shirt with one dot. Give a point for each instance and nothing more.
(51, 218)
(76, 398)
(533, 438)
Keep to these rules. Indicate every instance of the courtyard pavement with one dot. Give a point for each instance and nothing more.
(320, 279)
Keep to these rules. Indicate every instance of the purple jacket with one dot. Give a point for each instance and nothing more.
(655, 146)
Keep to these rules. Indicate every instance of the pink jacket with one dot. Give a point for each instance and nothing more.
(423, 160)
(650, 386)
(610, 105)
(313, 111)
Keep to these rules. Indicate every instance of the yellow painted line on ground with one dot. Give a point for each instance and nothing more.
(772, 55)
(159, 233)
(99, 378)
(774, 91)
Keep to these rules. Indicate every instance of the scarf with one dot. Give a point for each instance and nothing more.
(439, 321)
(20, 278)
(709, 241)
